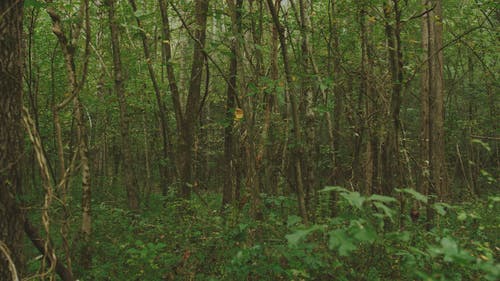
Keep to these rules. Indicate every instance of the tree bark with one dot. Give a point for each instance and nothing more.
(433, 161)
(11, 85)
(130, 178)
(229, 192)
(188, 128)
(391, 165)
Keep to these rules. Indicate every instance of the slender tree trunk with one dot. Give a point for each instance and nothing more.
(307, 62)
(391, 165)
(130, 179)
(82, 146)
(370, 95)
(11, 83)
(164, 171)
(187, 131)
(229, 192)
(269, 147)
(86, 227)
(297, 154)
(335, 136)
(433, 162)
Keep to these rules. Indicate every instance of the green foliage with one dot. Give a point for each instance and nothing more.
(34, 3)
(177, 240)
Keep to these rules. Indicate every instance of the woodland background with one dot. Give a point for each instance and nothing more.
(249, 140)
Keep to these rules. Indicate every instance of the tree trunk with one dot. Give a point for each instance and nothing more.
(372, 100)
(229, 192)
(164, 170)
(391, 165)
(433, 162)
(130, 178)
(187, 131)
(297, 153)
(11, 83)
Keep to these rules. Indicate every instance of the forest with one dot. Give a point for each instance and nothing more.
(249, 140)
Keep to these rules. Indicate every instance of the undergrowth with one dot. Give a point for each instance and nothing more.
(370, 238)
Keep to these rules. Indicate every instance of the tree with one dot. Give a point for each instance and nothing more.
(433, 161)
(291, 87)
(11, 79)
(130, 180)
(228, 193)
(165, 132)
(194, 97)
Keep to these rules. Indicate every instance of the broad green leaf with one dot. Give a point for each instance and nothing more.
(382, 198)
(417, 195)
(354, 199)
(293, 220)
(142, 14)
(387, 211)
(462, 216)
(441, 208)
(450, 248)
(494, 199)
(299, 235)
(365, 234)
(341, 241)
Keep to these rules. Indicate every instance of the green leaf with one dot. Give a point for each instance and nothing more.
(34, 3)
(354, 198)
(403, 236)
(417, 195)
(299, 235)
(482, 143)
(450, 248)
(365, 234)
(141, 14)
(341, 241)
(382, 198)
(441, 208)
(387, 211)
(293, 220)
(462, 216)
(494, 199)
(334, 188)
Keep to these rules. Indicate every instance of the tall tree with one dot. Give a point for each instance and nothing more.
(193, 103)
(165, 132)
(433, 162)
(292, 91)
(130, 183)
(228, 194)
(75, 85)
(391, 168)
(11, 85)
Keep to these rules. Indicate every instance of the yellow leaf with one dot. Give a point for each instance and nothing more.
(238, 113)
